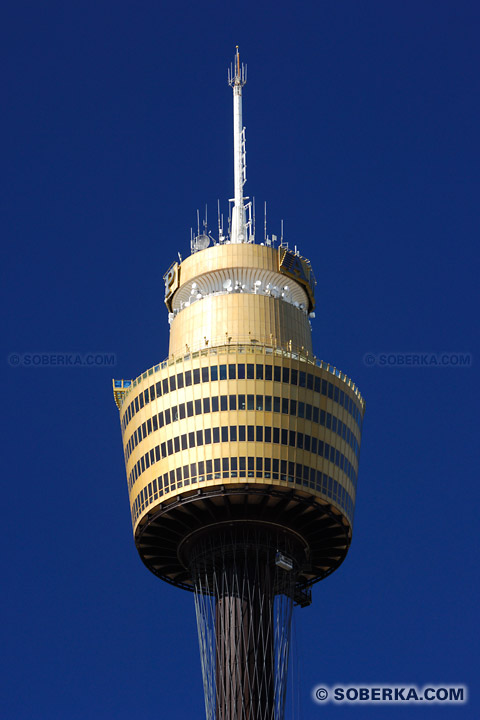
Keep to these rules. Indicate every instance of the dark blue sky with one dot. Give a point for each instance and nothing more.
(362, 133)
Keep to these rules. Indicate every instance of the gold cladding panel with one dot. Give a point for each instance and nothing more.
(235, 417)
(239, 318)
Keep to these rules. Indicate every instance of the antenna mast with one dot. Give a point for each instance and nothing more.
(237, 77)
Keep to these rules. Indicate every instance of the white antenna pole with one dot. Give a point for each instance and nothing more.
(265, 221)
(237, 78)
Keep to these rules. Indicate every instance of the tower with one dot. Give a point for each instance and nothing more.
(241, 451)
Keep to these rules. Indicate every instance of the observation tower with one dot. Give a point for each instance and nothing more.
(241, 451)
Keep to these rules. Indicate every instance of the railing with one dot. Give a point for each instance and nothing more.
(247, 348)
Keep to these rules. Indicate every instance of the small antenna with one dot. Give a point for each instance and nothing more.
(281, 232)
(198, 222)
(253, 234)
(265, 221)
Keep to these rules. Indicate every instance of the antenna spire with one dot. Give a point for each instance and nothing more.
(237, 77)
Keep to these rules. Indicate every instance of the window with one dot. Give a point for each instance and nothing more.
(233, 433)
(176, 444)
(232, 402)
(169, 447)
(276, 404)
(291, 439)
(268, 403)
(232, 372)
(159, 389)
(165, 385)
(293, 407)
(285, 406)
(268, 434)
(181, 411)
(188, 378)
(241, 433)
(322, 417)
(199, 437)
(196, 376)
(250, 402)
(173, 383)
(259, 433)
(224, 433)
(208, 436)
(167, 417)
(324, 387)
(223, 372)
(191, 439)
(140, 397)
(180, 380)
(241, 372)
(286, 375)
(216, 435)
(294, 377)
(300, 440)
(214, 400)
(259, 402)
(268, 372)
(259, 372)
(330, 391)
(214, 372)
(301, 410)
(250, 371)
(284, 436)
(310, 381)
(223, 402)
(146, 396)
(251, 433)
(189, 408)
(205, 374)
(241, 402)
(206, 405)
(277, 373)
(183, 440)
(336, 394)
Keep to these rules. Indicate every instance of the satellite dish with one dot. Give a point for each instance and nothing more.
(227, 285)
(201, 242)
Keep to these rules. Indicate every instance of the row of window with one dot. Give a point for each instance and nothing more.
(242, 433)
(249, 371)
(242, 402)
(266, 468)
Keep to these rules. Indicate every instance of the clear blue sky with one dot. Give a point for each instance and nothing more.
(362, 133)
